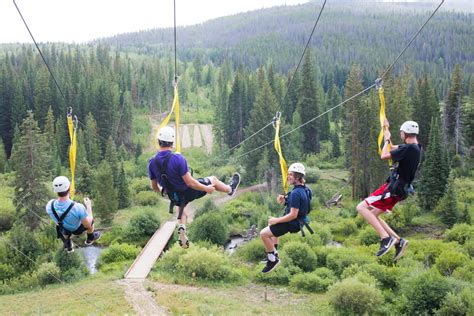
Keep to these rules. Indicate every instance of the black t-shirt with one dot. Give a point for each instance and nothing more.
(408, 158)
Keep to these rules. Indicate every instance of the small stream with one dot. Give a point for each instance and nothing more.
(90, 255)
(235, 241)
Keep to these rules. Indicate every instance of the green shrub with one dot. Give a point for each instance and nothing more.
(449, 260)
(323, 231)
(7, 217)
(209, 206)
(209, 227)
(142, 225)
(145, 198)
(424, 292)
(71, 265)
(279, 276)
(387, 277)
(312, 175)
(465, 272)
(309, 282)
(368, 236)
(26, 281)
(427, 251)
(340, 258)
(456, 305)
(460, 233)
(6, 271)
(469, 247)
(345, 227)
(27, 248)
(140, 184)
(403, 215)
(351, 296)
(48, 273)
(118, 252)
(252, 251)
(301, 255)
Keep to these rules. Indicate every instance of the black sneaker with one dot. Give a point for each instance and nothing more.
(385, 245)
(400, 249)
(182, 238)
(264, 260)
(68, 246)
(234, 183)
(91, 238)
(271, 265)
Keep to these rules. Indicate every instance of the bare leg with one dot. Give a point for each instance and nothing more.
(372, 219)
(267, 238)
(219, 185)
(377, 212)
(184, 216)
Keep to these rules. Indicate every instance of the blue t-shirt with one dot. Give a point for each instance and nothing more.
(177, 168)
(73, 219)
(298, 198)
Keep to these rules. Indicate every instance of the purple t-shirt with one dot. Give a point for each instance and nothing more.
(177, 168)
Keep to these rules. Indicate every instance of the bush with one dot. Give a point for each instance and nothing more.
(469, 247)
(351, 296)
(145, 198)
(6, 272)
(459, 233)
(71, 265)
(427, 251)
(340, 258)
(279, 276)
(6, 218)
(455, 305)
(312, 175)
(209, 227)
(48, 273)
(118, 252)
(316, 281)
(449, 260)
(368, 236)
(403, 215)
(208, 206)
(301, 255)
(465, 272)
(345, 227)
(23, 282)
(252, 251)
(424, 292)
(142, 225)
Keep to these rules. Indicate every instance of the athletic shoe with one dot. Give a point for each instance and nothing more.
(234, 183)
(400, 249)
(68, 246)
(271, 265)
(91, 238)
(385, 246)
(182, 238)
(264, 260)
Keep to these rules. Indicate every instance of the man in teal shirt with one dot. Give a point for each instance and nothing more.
(71, 218)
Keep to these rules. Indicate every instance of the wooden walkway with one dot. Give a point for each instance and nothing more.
(150, 253)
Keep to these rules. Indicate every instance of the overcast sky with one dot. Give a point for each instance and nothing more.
(83, 20)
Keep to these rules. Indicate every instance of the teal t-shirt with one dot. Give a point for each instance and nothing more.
(73, 218)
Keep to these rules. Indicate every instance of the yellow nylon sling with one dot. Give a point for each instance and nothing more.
(72, 149)
(175, 108)
(382, 118)
(283, 167)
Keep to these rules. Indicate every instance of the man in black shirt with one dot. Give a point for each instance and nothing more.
(406, 158)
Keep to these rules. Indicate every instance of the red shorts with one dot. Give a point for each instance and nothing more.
(375, 199)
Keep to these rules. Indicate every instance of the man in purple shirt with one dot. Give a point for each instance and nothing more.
(168, 173)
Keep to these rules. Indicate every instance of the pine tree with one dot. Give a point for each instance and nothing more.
(85, 179)
(452, 112)
(434, 171)
(43, 96)
(425, 107)
(112, 158)
(234, 115)
(334, 99)
(291, 100)
(447, 208)
(336, 146)
(124, 129)
(468, 116)
(123, 191)
(309, 106)
(92, 144)
(49, 135)
(6, 99)
(324, 125)
(30, 161)
(106, 200)
(3, 157)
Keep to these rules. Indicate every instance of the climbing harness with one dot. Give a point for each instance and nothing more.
(72, 127)
(176, 197)
(60, 230)
(283, 167)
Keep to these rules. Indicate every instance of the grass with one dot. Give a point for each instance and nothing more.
(230, 301)
(123, 216)
(95, 295)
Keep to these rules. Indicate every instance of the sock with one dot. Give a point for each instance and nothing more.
(182, 226)
(271, 256)
(276, 247)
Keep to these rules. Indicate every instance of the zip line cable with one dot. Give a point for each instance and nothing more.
(357, 94)
(175, 50)
(86, 128)
(289, 83)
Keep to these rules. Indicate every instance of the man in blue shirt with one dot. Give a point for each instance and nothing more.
(71, 218)
(168, 173)
(297, 208)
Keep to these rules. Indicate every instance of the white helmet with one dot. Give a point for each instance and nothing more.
(297, 167)
(61, 184)
(166, 134)
(410, 127)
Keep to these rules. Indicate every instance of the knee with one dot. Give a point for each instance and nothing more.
(264, 233)
(213, 179)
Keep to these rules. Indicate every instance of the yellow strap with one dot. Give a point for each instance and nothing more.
(283, 167)
(174, 108)
(382, 117)
(72, 151)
